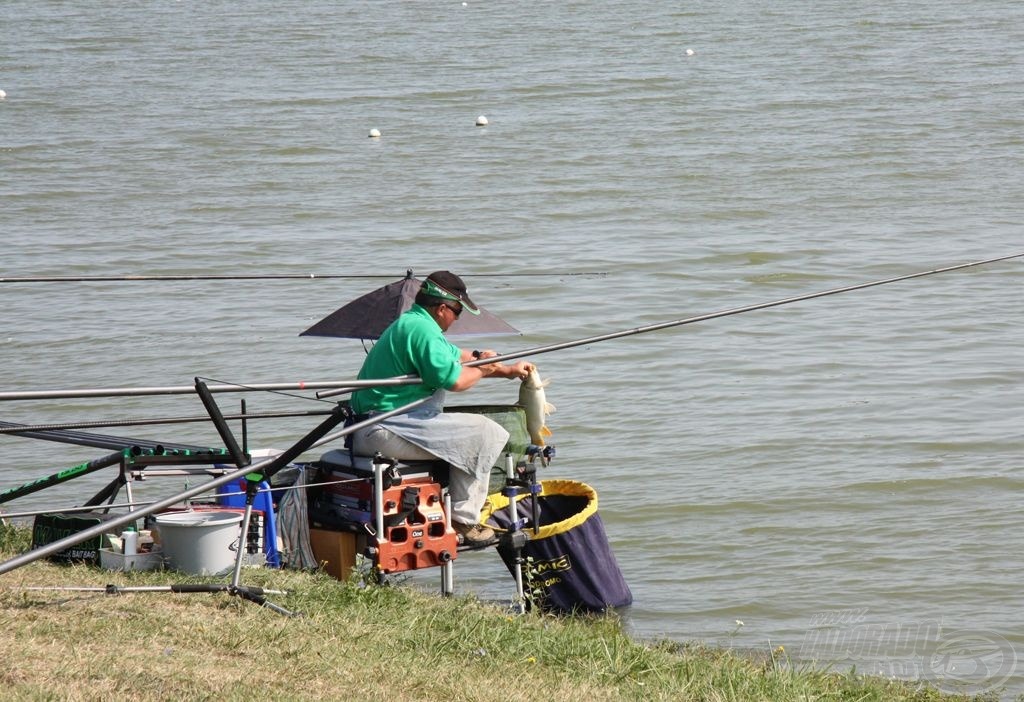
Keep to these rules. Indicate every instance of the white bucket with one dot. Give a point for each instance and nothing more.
(201, 543)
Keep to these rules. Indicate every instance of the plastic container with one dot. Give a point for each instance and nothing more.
(130, 542)
(115, 560)
(200, 543)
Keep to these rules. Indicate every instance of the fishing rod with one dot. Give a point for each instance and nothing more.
(346, 386)
(190, 389)
(122, 456)
(261, 276)
(686, 320)
(736, 310)
(23, 428)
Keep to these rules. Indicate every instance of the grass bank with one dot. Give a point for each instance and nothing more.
(354, 643)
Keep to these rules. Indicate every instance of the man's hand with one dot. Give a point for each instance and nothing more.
(520, 370)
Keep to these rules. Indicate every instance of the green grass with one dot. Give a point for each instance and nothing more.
(355, 642)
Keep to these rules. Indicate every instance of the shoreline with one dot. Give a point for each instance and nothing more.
(359, 641)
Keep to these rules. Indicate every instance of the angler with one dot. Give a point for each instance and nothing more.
(470, 443)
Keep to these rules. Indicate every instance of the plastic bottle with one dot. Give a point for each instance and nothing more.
(130, 540)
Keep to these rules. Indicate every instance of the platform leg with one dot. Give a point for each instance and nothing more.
(129, 495)
(378, 497)
(448, 569)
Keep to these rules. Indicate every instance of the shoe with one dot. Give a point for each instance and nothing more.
(473, 534)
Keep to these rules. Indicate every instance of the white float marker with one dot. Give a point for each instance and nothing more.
(481, 121)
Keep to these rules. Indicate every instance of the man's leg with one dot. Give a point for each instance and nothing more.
(376, 438)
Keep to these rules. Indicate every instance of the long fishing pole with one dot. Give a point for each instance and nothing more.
(345, 386)
(86, 508)
(736, 310)
(20, 429)
(190, 389)
(679, 322)
(260, 276)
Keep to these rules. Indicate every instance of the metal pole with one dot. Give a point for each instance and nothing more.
(725, 313)
(687, 320)
(217, 417)
(190, 389)
(448, 569)
(512, 491)
(18, 429)
(243, 536)
(267, 276)
(378, 499)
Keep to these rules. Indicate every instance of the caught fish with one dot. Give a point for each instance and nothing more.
(531, 398)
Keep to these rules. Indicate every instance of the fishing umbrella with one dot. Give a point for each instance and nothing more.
(368, 316)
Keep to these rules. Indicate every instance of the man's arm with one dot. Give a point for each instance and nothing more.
(470, 375)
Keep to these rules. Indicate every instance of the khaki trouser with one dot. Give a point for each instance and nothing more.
(468, 491)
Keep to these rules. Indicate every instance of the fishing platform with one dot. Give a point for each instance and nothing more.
(339, 511)
(395, 514)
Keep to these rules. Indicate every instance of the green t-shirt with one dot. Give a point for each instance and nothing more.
(415, 344)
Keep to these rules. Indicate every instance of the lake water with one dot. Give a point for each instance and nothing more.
(840, 475)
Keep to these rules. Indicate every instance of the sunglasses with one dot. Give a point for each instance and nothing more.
(455, 311)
